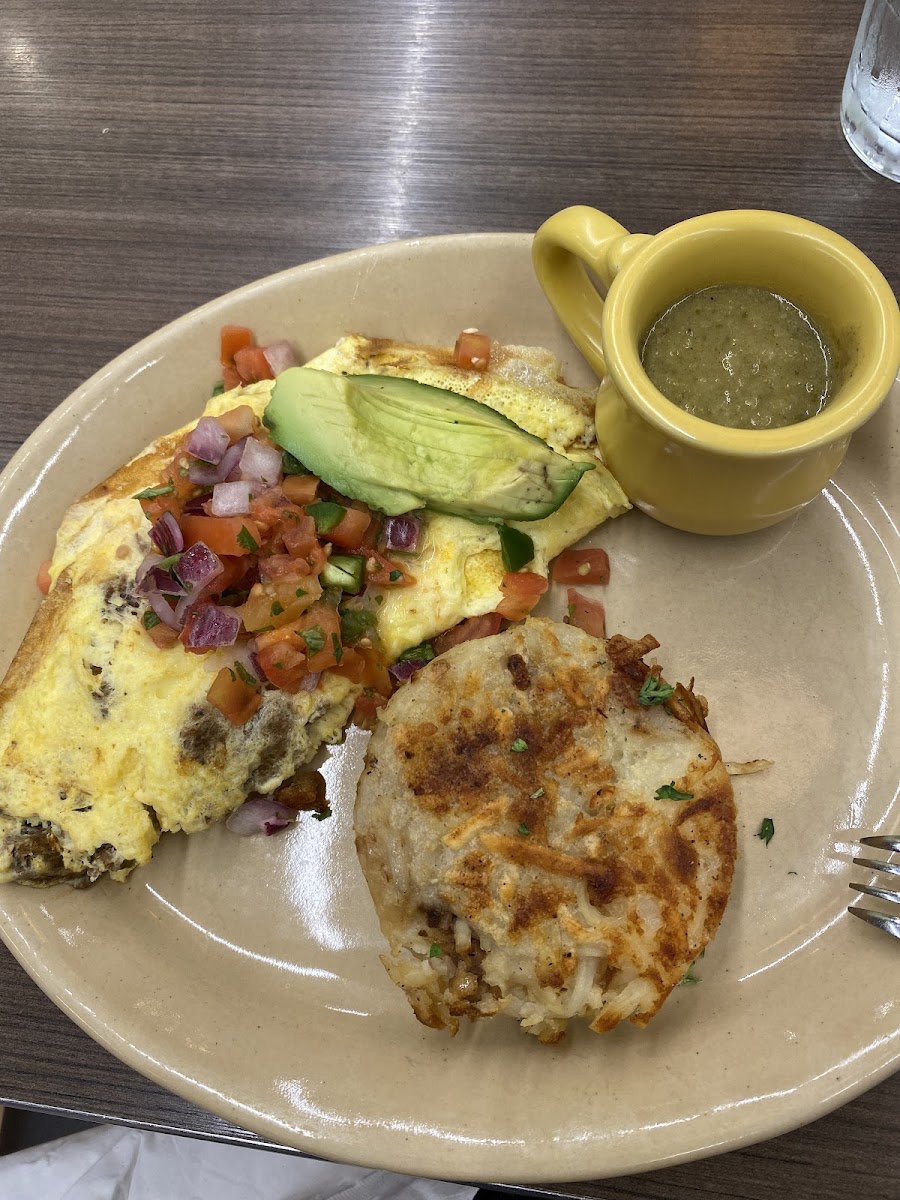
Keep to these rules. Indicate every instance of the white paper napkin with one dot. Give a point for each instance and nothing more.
(109, 1163)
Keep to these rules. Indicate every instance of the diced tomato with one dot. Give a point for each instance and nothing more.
(230, 378)
(467, 631)
(581, 566)
(365, 708)
(238, 422)
(163, 636)
(300, 489)
(223, 535)
(174, 477)
(232, 339)
(233, 697)
(279, 602)
(252, 364)
(365, 665)
(283, 662)
(472, 351)
(271, 514)
(376, 675)
(350, 529)
(589, 615)
(352, 665)
(281, 566)
(327, 619)
(385, 572)
(232, 574)
(521, 592)
(43, 576)
(321, 617)
(300, 537)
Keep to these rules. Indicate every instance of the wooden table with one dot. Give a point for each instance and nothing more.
(153, 156)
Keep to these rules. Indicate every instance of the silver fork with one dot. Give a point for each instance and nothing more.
(880, 920)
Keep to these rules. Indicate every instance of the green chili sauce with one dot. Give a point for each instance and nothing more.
(740, 356)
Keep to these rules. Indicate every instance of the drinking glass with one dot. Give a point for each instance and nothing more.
(870, 105)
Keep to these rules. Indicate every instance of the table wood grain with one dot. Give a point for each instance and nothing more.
(153, 156)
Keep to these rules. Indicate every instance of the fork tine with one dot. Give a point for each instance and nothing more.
(882, 842)
(890, 925)
(878, 893)
(874, 864)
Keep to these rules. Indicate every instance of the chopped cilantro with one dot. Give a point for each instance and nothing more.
(277, 609)
(669, 791)
(246, 539)
(519, 745)
(314, 638)
(516, 547)
(523, 829)
(151, 620)
(535, 795)
(219, 388)
(322, 814)
(151, 493)
(169, 562)
(355, 623)
(245, 675)
(421, 653)
(654, 691)
(338, 648)
(766, 830)
(291, 465)
(394, 576)
(435, 951)
(689, 976)
(301, 592)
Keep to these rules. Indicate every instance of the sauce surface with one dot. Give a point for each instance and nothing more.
(740, 356)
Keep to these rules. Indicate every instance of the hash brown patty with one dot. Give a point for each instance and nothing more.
(538, 842)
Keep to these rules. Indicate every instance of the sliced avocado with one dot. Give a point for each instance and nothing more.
(398, 445)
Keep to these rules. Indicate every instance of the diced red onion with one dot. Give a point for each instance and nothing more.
(280, 356)
(163, 610)
(166, 534)
(310, 682)
(158, 579)
(230, 499)
(261, 463)
(198, 566)
(208, 440)
(261, 814)
(405, 668)
(402, 533)
(185, 604)
(206, 475)
(212, 626)
(196, 506)
(148, 562)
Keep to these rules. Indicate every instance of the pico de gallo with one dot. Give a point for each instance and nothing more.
(252, 552)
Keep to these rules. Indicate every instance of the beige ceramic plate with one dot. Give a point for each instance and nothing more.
(244, 974)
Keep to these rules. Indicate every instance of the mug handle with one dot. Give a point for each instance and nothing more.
(563, 247)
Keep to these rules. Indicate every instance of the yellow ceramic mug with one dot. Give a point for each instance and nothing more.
(681, 469)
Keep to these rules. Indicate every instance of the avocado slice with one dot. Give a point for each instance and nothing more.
(397, 445)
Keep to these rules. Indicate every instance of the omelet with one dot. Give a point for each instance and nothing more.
(458, 565)
(546, 835)
(106, 742)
